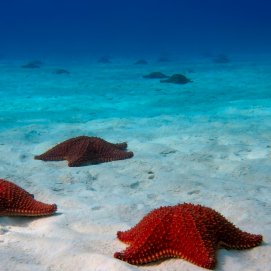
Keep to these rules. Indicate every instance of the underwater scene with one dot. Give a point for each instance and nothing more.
(135, 135)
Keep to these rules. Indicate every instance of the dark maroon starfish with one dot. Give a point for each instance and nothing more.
(86, 150)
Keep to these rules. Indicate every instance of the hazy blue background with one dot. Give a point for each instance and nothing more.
(133, 26)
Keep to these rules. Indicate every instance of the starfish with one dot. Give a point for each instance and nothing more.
(155, 75)
(86, 150)
(15, 201)
(177, 79)
(187, 231)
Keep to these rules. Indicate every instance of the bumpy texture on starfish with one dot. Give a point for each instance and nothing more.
(15, 201)
(187, 231)
(86, 150)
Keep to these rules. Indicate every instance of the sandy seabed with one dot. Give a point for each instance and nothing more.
(207, 142)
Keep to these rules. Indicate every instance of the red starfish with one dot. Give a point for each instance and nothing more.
(86, 150)
(187, 231)
(15, 201)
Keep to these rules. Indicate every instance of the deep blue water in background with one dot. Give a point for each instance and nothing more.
(74, 34)
(123, 27)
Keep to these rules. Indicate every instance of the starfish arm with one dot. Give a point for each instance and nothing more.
(146, 248)
(127, 236)
(49, 156)
(232, 237)
(148, 239)
(195, 250)
(87, 152)
(15, 201)
(115, 155)
(58, 152)
(91, 157)
(190, 240)
(35, 208)
(147, 254)
(96, 150)
(142, 255)
(121, 146)
(77, 161)
(81, 153)
(109, 152)
(153, 218)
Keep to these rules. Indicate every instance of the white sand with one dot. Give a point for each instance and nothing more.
(214, 153)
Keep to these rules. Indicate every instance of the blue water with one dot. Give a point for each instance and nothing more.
(73, 35)
(82, 28)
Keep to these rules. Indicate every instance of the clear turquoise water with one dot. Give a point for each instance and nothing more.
(99, 91)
